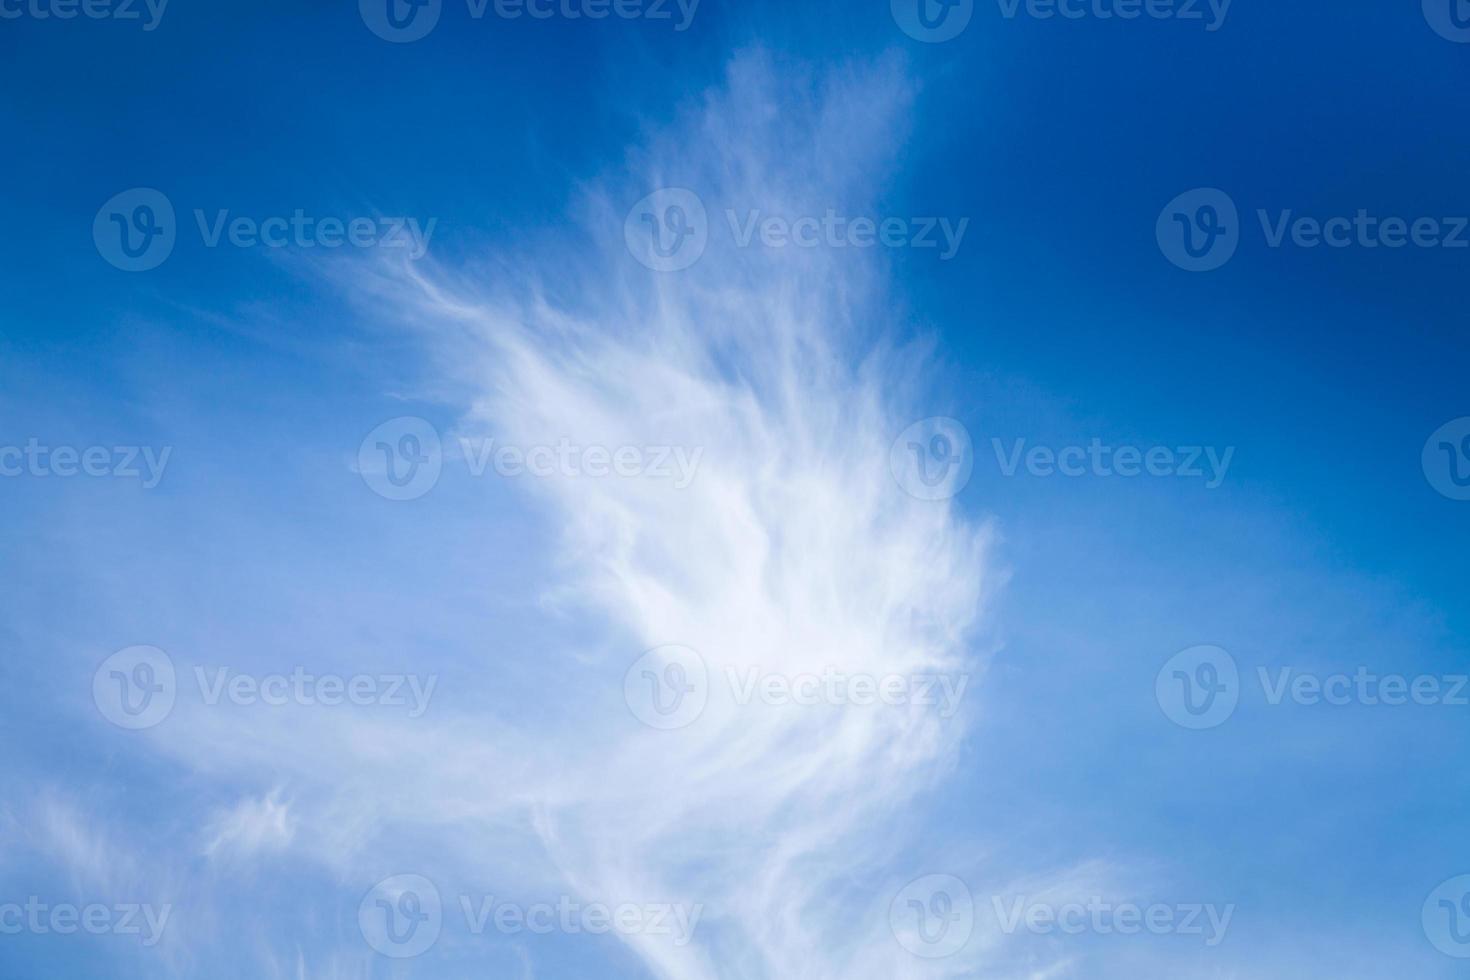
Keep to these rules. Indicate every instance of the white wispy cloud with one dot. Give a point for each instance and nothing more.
(253, 825)
(793, 550)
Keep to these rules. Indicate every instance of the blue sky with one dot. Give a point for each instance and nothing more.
(1327, 542)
